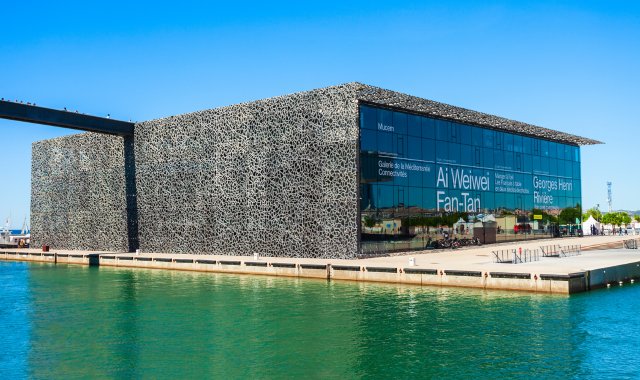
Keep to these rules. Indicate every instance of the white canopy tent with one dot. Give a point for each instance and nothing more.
(461, 225)
(587, 224)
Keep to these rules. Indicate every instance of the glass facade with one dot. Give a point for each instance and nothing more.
(422, 179)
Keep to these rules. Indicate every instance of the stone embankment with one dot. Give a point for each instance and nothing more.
(600, 262)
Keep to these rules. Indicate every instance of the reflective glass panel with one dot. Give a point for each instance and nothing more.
(421, 177)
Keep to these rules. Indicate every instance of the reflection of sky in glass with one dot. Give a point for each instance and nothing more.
(396, 138)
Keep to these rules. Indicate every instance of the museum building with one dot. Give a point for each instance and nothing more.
(337, 172)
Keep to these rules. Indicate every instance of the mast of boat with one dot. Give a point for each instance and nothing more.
(24, 226)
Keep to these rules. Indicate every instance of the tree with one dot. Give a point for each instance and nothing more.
(610, 218)
(636, 218)
(452, 218)
(616, 218)
(597, 215)
(569, 215)
(546, 218)
(369, 221)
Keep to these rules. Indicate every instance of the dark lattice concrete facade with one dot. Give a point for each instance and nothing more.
(78, 193)
(278, 177)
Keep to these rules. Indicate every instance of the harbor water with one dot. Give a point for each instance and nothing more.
(64, 321)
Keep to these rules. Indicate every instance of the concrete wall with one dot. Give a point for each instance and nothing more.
(544, 283)
(276, 176)
(78, 193)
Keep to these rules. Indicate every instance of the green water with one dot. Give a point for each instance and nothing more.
(80, 322)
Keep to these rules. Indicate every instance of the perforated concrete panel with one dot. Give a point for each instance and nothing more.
(78, 193)
(277, 177)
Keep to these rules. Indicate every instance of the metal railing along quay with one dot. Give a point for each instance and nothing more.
(630, 243)
(560, 251)
(516, 256)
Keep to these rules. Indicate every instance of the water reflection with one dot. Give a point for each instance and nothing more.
(125, 323)
(15, 326)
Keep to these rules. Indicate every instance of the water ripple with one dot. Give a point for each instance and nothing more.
(79, 322)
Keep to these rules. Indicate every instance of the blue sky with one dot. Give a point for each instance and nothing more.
(571, 66)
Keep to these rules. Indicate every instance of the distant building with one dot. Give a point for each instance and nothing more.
(332, 173)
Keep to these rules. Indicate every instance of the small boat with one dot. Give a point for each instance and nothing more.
(11, 240)
(5, 237)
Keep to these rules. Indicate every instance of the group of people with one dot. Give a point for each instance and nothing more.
(620, 231)
(614, 231)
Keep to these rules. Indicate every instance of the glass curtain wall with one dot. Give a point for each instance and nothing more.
(423, 179)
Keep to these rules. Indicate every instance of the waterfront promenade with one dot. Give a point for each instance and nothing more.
(602, 261)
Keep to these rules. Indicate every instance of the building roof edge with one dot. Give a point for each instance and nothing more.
(394, 99)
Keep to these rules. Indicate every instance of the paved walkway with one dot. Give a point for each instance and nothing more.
(482, 259)
(468, 267)
(468, 258)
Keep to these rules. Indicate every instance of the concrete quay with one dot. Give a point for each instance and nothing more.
(603, 261)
